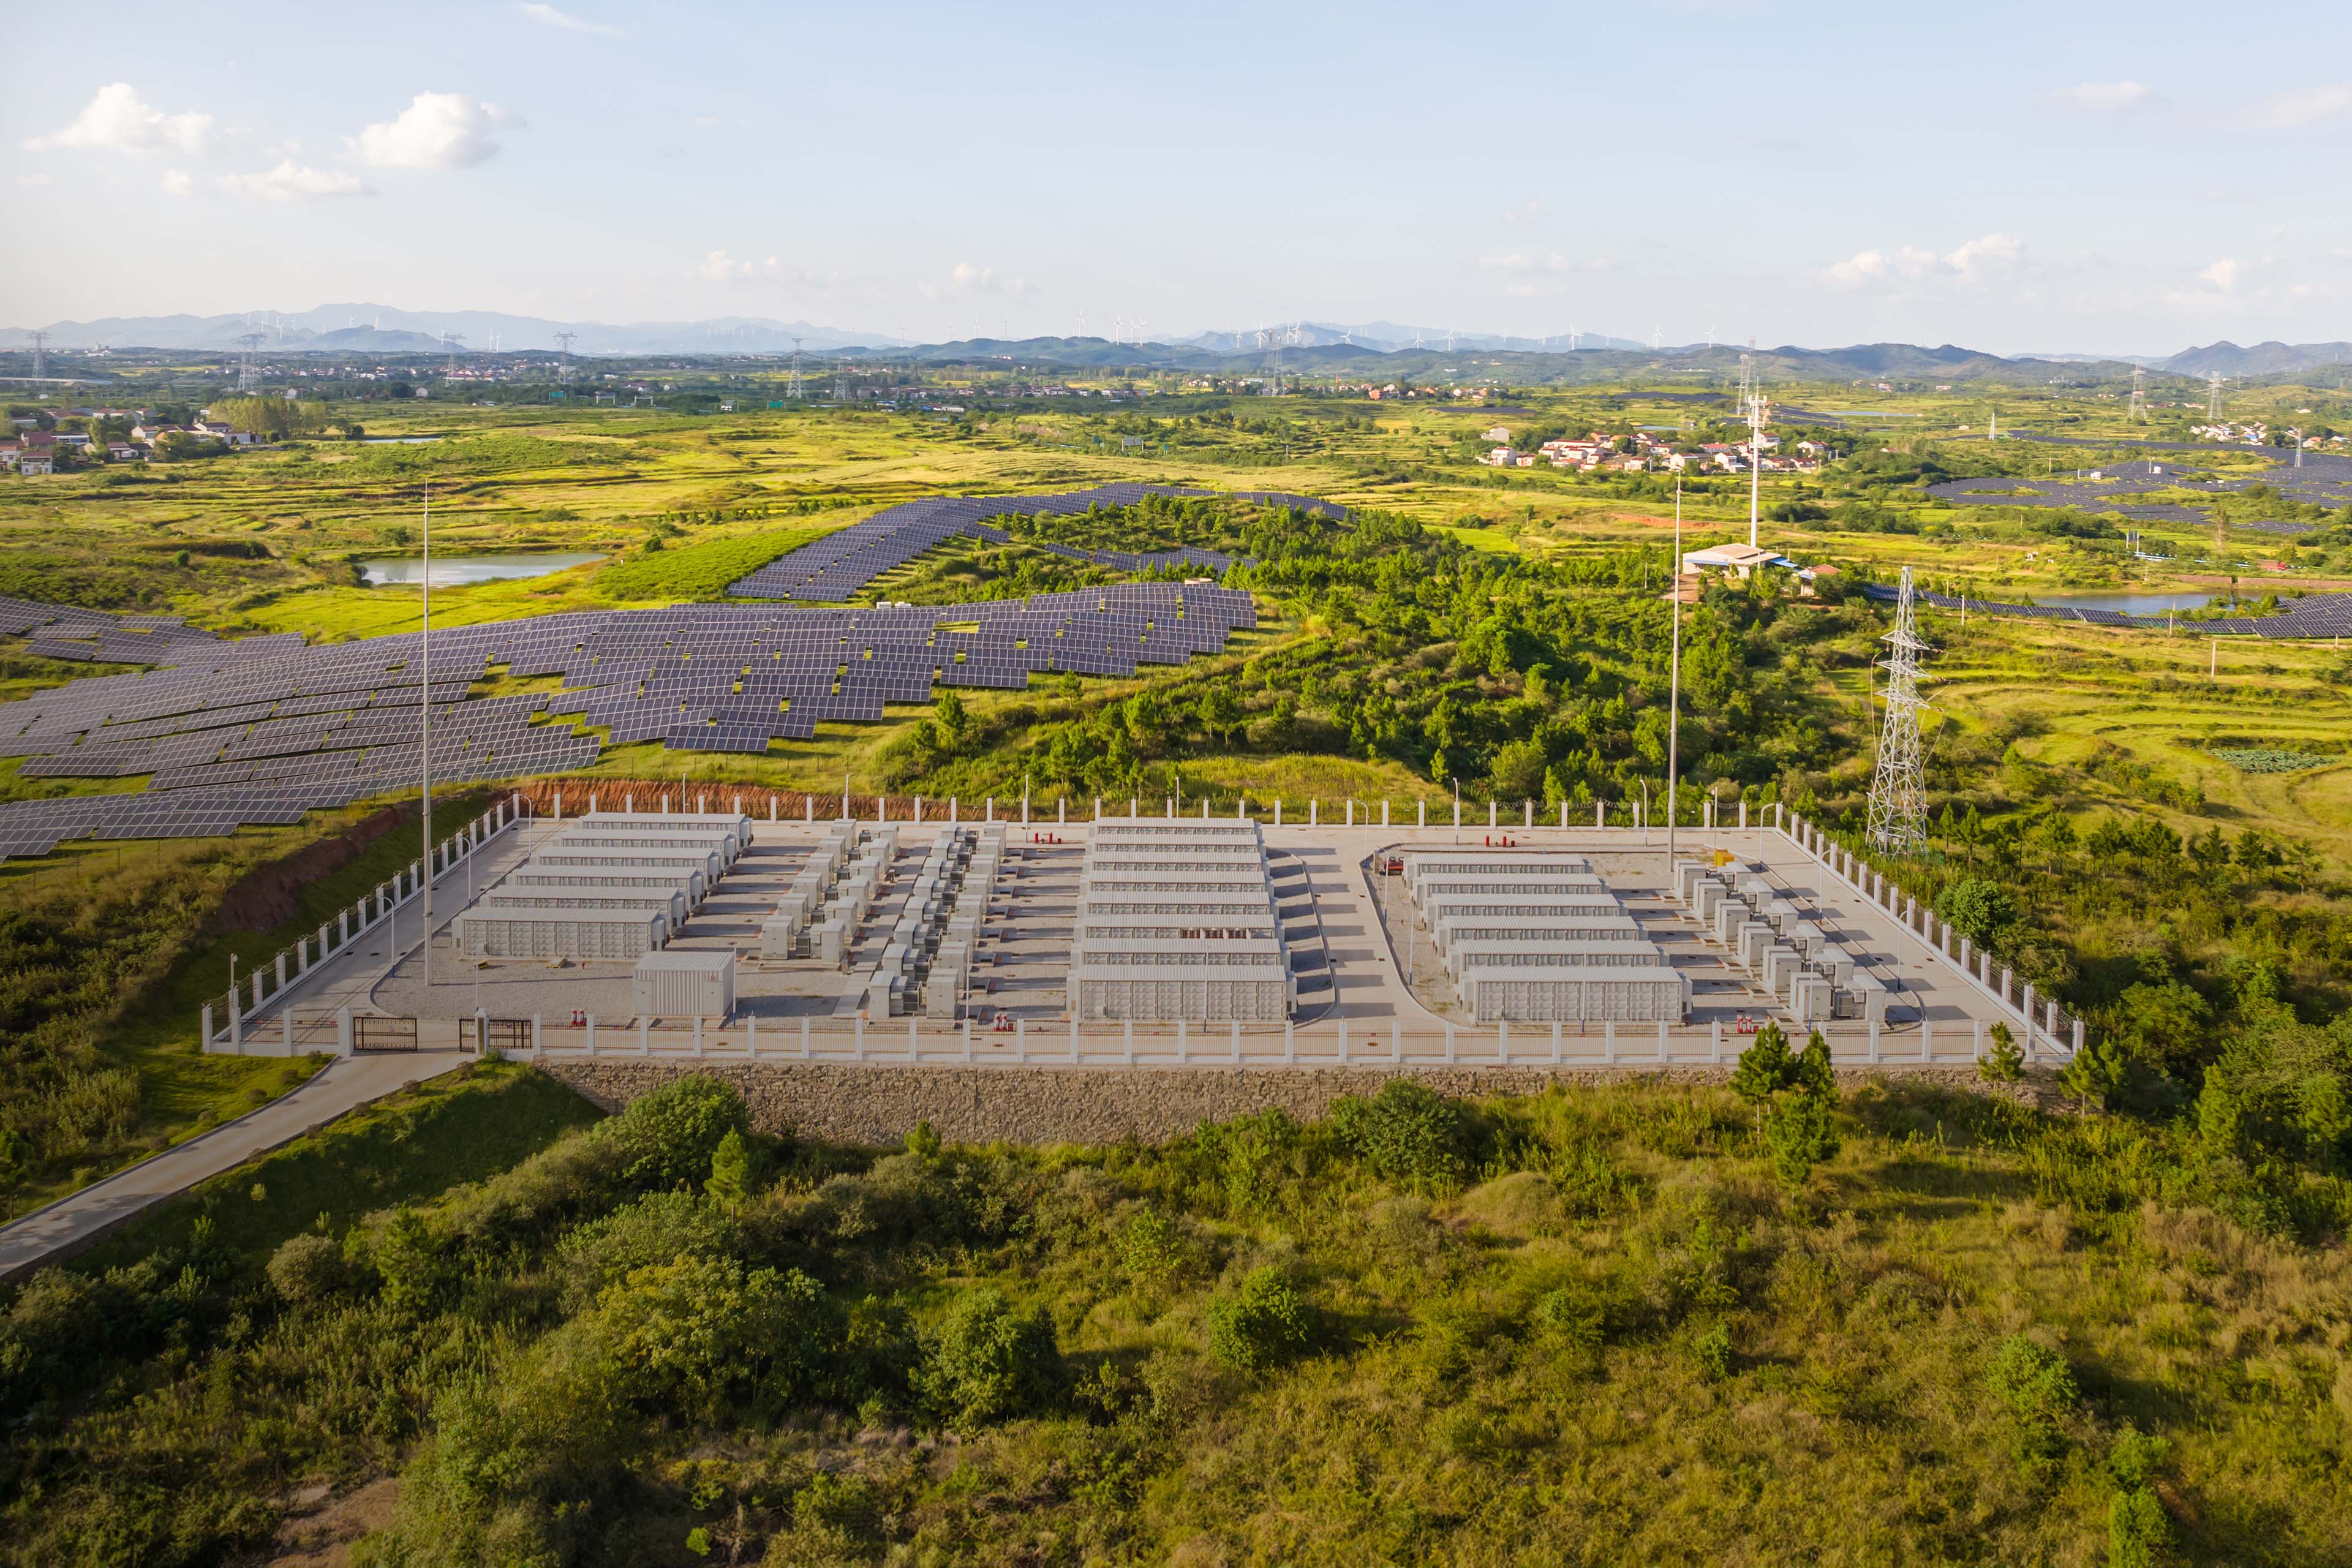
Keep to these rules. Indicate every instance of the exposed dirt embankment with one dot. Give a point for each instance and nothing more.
(267, 896)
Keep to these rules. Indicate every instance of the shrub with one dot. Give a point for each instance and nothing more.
(1977, 909)
(1261, 1325)
(1406, 1133)
(986, 1361)
(670, 1135)
(1712, 1349)
(1765, 1068)
(657, 1228)
(1800, 1136)
(306, 1268)
(697, 1332)
(2038, 1387)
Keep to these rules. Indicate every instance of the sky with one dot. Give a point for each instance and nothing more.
(2076, 177)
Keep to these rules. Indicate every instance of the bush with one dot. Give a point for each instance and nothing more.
(1261, 1325)
(1799, 1135)
(986, 1361)
(669, 1136)
(306, 1268)
(1977, 909)
(1406, 1133)
(1712, 1349)
(2038, 1387)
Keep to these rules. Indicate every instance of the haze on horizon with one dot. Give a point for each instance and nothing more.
(2157, 176)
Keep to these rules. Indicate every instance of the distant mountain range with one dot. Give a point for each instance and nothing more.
(1296, 347)
(382, 328)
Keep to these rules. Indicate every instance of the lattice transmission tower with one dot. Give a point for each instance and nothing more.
(2139, 415)
(1898, 791)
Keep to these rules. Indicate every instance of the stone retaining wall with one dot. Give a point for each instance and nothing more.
(880, 1105)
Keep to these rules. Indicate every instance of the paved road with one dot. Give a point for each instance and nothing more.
(73, 1223)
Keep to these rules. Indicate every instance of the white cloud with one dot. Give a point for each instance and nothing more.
(718, 267)
(547, 15)
(2105, 97)
(2224, 274)
(32, 181)
(176, 183)
(436, 131)
(119, 117)
(964, 279)
(722, 267)
(292, 182)
(1973, 262)
(2310, 106)
(1992, 253)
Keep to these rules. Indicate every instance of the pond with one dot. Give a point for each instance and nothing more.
(457, 571)
(2141, 603)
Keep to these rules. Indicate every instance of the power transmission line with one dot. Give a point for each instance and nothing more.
(1898, 792)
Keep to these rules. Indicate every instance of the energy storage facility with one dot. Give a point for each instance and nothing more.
(1538, 937)
(1176, 921)
(574, 934)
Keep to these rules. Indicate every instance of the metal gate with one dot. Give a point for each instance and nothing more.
(374, 1032)
(499, 1033)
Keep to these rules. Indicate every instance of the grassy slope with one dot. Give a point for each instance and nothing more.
(1435, 1416)
(464, 1126)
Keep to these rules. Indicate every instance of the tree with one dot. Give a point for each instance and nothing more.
(2005, 1063)
(1517, 772)
(986, 1361)
(1977, 908)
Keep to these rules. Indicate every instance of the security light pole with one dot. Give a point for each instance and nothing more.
(424, 740)
(1674, 681)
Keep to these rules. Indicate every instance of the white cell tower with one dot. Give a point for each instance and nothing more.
(1898, 791)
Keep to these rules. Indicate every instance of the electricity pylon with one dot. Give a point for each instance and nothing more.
(1898, 792)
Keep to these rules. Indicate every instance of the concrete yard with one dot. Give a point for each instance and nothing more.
(1349, 930)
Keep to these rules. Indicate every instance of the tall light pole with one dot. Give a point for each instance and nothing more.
(424, 740)
(1674, 682)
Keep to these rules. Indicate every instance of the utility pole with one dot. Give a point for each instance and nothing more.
(425, 742)
(1674, 685)
(1898, 797)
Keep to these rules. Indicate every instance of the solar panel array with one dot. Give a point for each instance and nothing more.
(2314, 615)
(2320, 480)
(260, 730)
(835, 568)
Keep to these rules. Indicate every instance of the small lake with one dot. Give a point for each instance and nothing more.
(457, 571)
(2129, 603)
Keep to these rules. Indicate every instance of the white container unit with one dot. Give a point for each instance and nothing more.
(640, 879)
(678, 861)
(669, 901)
(684, 982)
(1570, 994)
(581, 934)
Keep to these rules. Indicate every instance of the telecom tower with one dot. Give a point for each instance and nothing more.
(2139, 395)
(1899, 794)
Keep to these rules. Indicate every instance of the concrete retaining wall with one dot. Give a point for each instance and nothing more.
(880, 1105)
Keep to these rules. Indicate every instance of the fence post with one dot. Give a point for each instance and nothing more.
(1926, 1034)
(1502, 1042)
(1238, 1042)
(591, 1032)
(1874, 1040)
(750, 1032)
(1608, 1040)
(342, 1031)
(1661, 1040)
(534, 1034)
(806, 1054)
(697, 1025)
(967, 1035)
(1715, 1047)
(1021, 1040)
(645, 1037)
(1180, 1040)
(1074, 1039)
(204, 1038)
(858, 1041)
(1449, 1042)
(1128, 1031)
(1555, 1029)
(1343, 1042)
(1289, 1041)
